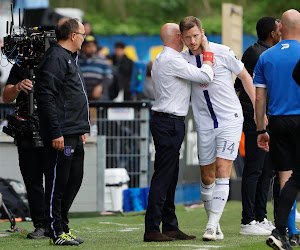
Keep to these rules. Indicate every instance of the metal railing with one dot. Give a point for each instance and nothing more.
(125, 128)
(124, 135)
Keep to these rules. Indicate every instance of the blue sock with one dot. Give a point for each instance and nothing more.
(291, 224)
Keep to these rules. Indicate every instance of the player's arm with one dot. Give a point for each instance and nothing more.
(260, 106)
(247, 82)
(260, 112)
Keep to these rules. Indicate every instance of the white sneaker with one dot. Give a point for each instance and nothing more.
(253, 229)
(219, 233)
(297, 216)
(209, 234)
(265, 224)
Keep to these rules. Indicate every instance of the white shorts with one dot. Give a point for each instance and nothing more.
(219, 142)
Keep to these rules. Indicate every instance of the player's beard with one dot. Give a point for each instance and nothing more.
(194, 47)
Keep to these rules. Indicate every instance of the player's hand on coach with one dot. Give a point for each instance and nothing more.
(24, 85)
(58, 143)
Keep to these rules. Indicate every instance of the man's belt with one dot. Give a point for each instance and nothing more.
(161, 114)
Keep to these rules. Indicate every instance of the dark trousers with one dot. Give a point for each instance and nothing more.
(67, 174)
(275, 193)
(287, 198)
(33, 164)
(256, 180)
(286, 129)
(168, 136)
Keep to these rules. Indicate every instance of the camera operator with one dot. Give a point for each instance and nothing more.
(32, 160)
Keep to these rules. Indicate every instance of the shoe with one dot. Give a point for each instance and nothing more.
(63, 239)
(38, 233)
(253, 229)
(179, 235)
(278, 241)
(76, 238)
(294, 240)
(209, 235)
(156, 236)
(265, 224)
(297, 216)
(219, 233)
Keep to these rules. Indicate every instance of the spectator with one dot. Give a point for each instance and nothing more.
(115, 85)
(124, 66)
(148, 92)
(96, 70)
(88, 28)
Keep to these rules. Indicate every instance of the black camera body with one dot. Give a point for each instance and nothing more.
(26, 48)
(22, 125)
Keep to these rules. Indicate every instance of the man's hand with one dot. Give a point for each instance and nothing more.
(24, 85)
(83, 138)
(263, 141)
(97, 91)
(58, 143)
(204, 42)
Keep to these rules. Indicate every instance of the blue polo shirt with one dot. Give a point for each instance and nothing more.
(274, 71)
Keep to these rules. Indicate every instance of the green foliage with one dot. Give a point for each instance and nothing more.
(131, 17)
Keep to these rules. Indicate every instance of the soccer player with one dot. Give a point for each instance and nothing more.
(219, 119)
(171, 77)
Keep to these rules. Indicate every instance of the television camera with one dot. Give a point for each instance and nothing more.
(25, 47)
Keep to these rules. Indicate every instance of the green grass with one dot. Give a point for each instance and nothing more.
(125, 231)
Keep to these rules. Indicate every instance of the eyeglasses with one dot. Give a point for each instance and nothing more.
(83, 35)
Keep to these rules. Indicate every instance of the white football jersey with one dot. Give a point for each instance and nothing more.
(172, 76)
(216, 104)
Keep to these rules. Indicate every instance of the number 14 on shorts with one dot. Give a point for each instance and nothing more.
(228, 146)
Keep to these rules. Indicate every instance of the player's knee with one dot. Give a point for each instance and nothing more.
(223, 173)
(207, 179)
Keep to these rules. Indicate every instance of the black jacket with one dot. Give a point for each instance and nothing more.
(125, 67)
(249, 59)
(296, 73)
(61, 95)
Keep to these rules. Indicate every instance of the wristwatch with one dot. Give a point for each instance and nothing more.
(18, 88)
(259, 132)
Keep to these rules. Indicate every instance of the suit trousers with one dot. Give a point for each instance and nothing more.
(168, 136)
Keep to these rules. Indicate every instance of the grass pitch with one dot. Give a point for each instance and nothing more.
(125, 231)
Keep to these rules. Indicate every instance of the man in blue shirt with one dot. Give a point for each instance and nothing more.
(273, 75)
(96, 71)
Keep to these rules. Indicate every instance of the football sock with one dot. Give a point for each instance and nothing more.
(291, 223)
(206, 196)
(219, 199)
